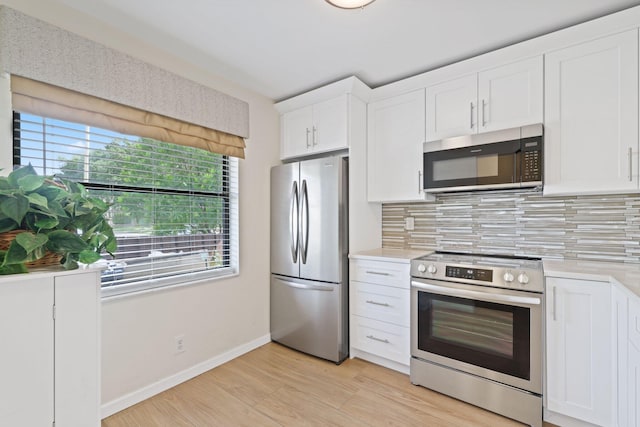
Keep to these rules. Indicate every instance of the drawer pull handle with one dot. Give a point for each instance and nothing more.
(384, 304)
(379, 273)
(371, 337)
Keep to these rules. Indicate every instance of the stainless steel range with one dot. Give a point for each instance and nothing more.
(477, 331)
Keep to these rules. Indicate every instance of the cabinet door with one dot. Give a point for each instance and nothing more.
(394, 148)
(634, 386)
(591, 116)
(26, 368)
(579, 349)
(633, 377)
(329, 129)
(452, 108)
(77, 349)
(296, 133)
(621, 335)
(511, 95)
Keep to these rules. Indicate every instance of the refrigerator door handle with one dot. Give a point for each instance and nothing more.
(304, 222)
(306, 286)
(294, 215)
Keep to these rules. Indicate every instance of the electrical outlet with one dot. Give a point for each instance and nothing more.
(409, 223)
(179, 343)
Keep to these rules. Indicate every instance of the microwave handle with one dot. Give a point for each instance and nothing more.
(419, 181)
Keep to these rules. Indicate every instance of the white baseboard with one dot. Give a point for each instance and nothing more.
(117, 405)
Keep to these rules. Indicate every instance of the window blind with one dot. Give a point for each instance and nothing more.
(174, 208)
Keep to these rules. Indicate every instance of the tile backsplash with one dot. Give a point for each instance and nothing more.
(605, 227)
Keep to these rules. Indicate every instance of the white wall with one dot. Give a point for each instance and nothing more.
(217, 318)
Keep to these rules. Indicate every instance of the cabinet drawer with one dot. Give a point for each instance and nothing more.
(381, 273)
(384, 303)
(381, 339)
(634, 322)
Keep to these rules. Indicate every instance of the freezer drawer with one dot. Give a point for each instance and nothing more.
(310, 317)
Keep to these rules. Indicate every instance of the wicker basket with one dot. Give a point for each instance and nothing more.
(49, 259)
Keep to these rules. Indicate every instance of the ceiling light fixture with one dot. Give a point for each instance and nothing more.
(349, 4)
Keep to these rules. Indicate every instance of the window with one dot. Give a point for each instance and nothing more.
(174, 208)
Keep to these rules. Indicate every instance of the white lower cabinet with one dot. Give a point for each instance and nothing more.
(634, 386)
(580, 352)
(380, 315)
(621, 336)
(593, 354)
(50, 332)
(633, 368)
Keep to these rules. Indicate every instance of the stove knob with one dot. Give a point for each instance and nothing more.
(523, 278)
(508, 277)
(432, 269)
(422, 268)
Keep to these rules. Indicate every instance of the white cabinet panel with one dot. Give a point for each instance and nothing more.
(579, 349)
(26, 361)
(50, 367)
(382, 302)
(634, 386)
(316, 128)
(591, 116)
(511, 95)
(297, 132)
(381, 272)
(621, 335)
(394, 148)
(633, 377)
(330, 120)
(77, 350)
(503, 97)
(452, 108)
(380, 312)
(381, 339)
(634, 323)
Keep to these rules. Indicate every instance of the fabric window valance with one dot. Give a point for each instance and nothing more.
(43, 99)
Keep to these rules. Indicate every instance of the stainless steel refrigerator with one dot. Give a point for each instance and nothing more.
(309, 247)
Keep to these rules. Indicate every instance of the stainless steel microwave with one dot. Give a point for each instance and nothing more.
(510, 158)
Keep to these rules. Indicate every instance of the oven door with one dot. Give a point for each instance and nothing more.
(489, 332)
(468, 168)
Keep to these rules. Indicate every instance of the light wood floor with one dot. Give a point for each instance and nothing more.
(276, 386)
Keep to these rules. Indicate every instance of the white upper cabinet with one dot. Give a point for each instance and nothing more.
(497, 98)
(591, 116)
(317, 128)
(394, 148)
(297, 126)
(452, 108)
(511, 95)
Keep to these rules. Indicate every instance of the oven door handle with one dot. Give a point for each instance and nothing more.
(476, 294)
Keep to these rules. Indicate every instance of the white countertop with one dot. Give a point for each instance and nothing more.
(389, 254)
(627, 275)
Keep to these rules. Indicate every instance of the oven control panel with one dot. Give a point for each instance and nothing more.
(469, 273)
(514, 273)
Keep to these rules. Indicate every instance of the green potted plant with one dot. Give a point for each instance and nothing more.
(48, 217)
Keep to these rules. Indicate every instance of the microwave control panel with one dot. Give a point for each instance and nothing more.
(532, 161)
